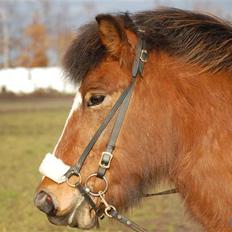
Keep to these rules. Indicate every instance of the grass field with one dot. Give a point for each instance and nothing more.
(28, 129)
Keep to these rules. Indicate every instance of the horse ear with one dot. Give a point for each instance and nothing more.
(111, 33)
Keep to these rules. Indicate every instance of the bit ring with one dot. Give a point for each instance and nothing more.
(96, 194)
(78, 181)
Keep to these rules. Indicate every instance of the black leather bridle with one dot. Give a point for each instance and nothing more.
(121, 107)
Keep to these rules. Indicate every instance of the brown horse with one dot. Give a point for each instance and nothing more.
(178, 125)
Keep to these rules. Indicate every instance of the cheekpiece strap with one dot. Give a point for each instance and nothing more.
(141, 57)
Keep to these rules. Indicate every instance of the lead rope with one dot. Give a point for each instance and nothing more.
(125, 221)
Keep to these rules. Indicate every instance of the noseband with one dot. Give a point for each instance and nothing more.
(121, 107)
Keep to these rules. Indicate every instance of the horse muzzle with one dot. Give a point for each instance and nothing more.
(78, 215)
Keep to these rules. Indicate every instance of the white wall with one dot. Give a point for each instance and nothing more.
(23, 80)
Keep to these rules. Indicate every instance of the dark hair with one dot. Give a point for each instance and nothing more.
(200, 39)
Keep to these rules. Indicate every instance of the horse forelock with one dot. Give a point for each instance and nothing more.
(85, 53)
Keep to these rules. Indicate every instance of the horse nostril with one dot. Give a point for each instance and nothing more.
(45, 203)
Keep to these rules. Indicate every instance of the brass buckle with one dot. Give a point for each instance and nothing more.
(108, 207)
(101, 164)
(144, 56)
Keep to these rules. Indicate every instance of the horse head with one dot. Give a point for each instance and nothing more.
(174, 127)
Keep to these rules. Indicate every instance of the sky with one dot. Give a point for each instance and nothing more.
(103, 6)
(77, 8)
(79, 12)
(136, 5)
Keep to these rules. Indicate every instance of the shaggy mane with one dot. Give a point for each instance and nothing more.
(202, 40)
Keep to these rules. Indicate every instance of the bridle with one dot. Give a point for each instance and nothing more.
(121, 107)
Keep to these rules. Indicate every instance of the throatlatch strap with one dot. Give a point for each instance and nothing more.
(166, 192)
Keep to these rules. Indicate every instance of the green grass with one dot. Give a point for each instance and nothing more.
(28, 129)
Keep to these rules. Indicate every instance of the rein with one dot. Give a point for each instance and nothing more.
(121, 106)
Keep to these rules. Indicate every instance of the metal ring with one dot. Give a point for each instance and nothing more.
(99, 192)
(143, 56)
(74, 174)
(108, 209)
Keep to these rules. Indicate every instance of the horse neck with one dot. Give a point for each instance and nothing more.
(182, 105)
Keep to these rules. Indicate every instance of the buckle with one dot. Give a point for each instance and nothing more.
(144, 56)
(108, 208)
(105, 160)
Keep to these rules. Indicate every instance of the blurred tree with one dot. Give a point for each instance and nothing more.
(61, 42)
(35, 53)
(5, 38)
(56, 18)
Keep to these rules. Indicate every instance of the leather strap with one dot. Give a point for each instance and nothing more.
(140, 58)
(115, 214)
(115, 132)
(127, 222)
(166, 192)
(123, 102)
(76, 168)
(136, 69)
(98, 210)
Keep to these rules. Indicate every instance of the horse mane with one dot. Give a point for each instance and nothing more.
(202, 40)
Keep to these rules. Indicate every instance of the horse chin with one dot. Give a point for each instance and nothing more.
(80, 217)
(83, 218)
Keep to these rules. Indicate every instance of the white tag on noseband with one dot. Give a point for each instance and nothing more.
(54, 168)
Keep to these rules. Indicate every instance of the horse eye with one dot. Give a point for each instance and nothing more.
(95, 100)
